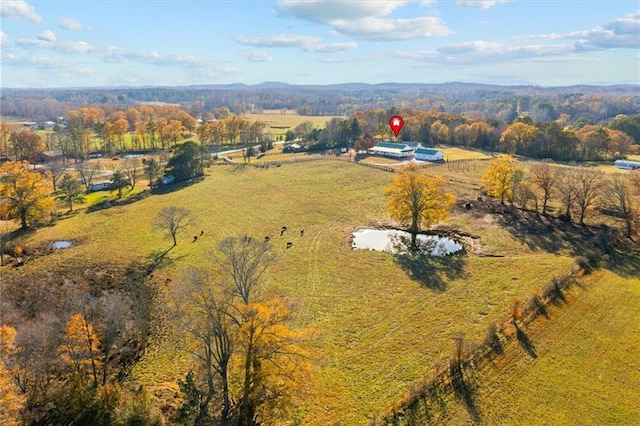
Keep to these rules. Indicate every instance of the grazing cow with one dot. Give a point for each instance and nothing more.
(289, 244)
(266, 239)
(195, 238)
(301, 232)
(201, 233)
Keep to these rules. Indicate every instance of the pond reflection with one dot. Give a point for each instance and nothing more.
(398, 242)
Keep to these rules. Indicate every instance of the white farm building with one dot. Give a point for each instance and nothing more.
(627, 165)
(426, 154)
(390, 149)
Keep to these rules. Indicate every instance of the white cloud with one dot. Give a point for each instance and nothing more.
(7, 57)
(328, 11)
(346, 59)
(4, 40)
(19, 9)
(47, 35)
(365, 19)
(28, 43)
(483, 4)
(114, 54)
(71, 24)
(617, 33)
(85, 71)
(483, 52)
(306, 43)
(281, 40)
(48, 40)
(393, 29)
(73, 47)
(330, 47)
(257, 56)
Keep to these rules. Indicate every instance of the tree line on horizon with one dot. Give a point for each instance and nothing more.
(596, 104)
(107, 129)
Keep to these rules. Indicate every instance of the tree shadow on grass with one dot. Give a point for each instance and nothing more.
(541, 232)
(464, 388)
(107, 204)
(176, 186)
(526, 343)
(432, 271)
(624, 260)
(160, 258)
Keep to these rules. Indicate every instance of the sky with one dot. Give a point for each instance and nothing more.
(89, 43)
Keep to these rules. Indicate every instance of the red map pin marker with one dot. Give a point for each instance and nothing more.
(396, 122)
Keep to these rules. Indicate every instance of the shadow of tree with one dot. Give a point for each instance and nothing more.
(623, 260)
(432, 271)
(160, 258)
(526, 343)
(107, 204)
(540, 232)
(464, 387)
(176, 186)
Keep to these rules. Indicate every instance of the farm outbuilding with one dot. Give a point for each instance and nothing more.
(426, 154)
(52, 156)
(627, 165)
(390, 149)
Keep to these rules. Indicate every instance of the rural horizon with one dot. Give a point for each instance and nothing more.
(351, 83)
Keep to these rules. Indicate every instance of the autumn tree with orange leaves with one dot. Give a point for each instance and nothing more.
(417, 200)
(251, 365)
(26, 194)
(11, 398)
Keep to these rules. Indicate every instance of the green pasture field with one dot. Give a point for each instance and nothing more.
(381, 330)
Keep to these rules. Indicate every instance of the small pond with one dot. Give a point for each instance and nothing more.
(395, 241)
(62, 244)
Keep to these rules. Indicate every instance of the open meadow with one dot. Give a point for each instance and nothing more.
(382, 324)
(279, 123)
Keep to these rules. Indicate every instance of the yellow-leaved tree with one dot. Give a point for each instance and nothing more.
(26, 194)
(497, 179)
(275, 362)
(11, 399)
(81, 348)
(252, 365)
(416, 200)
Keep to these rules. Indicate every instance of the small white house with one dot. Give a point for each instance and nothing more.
(627, 165)
(100, 186)
(426, 154)
(389, 149)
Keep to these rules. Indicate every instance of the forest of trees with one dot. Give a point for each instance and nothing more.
(106, 129)
(593, 104)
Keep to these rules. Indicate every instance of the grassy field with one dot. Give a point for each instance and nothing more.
(280, 123)
(382, 328)
(587, 370)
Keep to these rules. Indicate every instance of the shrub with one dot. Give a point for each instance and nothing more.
(492, 338)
